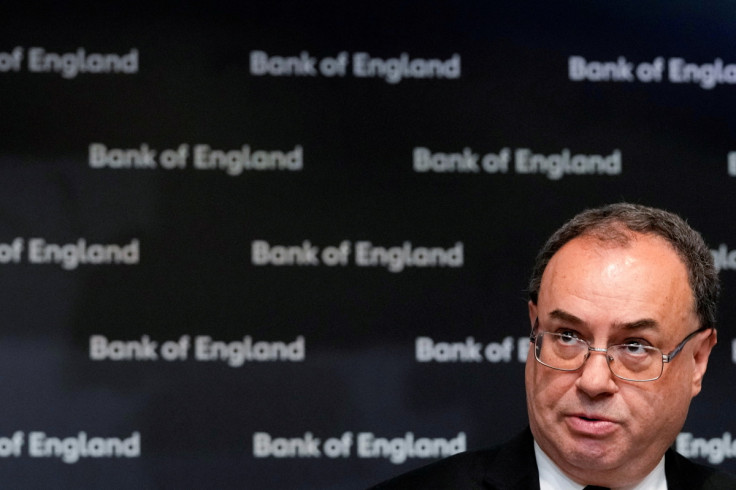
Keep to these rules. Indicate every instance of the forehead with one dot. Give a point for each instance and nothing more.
(615, 282)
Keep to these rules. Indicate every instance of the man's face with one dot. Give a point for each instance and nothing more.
(598, 428)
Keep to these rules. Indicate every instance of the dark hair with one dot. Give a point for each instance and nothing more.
(616, 222)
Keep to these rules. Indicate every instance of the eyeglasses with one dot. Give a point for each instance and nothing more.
(631, 362)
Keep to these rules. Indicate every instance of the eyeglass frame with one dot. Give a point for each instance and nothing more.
(666, 358)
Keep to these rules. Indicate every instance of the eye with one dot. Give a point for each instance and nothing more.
(568, 336)
(635, 347)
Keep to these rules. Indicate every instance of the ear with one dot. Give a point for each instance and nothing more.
(700, 358)
(532, 314)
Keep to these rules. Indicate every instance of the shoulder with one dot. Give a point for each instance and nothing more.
(509, 462)
(688, 475)
(465, 470)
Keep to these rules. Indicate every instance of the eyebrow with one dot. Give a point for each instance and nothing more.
(565, 316)
(641, 324)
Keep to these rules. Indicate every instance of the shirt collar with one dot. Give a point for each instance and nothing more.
(551, 476)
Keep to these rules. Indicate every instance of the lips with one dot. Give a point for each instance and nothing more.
(591, 418)
(591, 425)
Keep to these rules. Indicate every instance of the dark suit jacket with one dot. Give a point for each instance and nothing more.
(513, 466)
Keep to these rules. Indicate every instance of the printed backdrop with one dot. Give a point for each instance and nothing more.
(286, 244)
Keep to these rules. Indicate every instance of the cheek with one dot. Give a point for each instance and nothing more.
(668, 404)
(661, 410)
(546, 387)
(645, 408)
(673, 393)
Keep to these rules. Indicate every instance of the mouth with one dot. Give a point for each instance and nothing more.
(591, 418)
(591, 425)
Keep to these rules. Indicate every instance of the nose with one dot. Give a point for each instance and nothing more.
(596, 378)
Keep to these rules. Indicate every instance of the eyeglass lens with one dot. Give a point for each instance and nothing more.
(628, 361)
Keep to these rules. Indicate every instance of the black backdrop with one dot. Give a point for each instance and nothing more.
(367, 138)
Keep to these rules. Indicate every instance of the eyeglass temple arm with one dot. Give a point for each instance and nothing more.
(533, 337)
(671, 355)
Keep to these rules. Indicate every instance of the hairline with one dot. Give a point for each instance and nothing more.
(619, 224)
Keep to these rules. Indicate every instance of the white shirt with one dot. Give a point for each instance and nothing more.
(551, 476)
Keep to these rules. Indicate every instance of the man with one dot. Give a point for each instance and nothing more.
(622, 311)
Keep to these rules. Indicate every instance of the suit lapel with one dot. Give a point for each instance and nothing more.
(515, 466)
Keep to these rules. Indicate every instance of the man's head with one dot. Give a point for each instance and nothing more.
(615, 222)
(621, 274)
